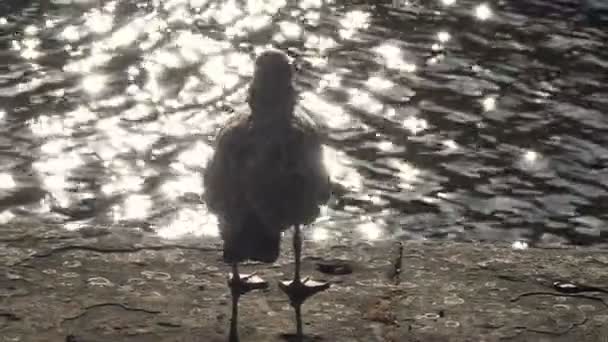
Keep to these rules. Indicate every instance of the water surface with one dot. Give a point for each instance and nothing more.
(445, 119)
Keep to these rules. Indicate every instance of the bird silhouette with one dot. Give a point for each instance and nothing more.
(265, 176)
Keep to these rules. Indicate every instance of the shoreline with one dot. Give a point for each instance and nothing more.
(99, 286)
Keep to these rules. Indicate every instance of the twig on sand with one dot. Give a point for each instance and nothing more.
(120, 305)
(557, 294)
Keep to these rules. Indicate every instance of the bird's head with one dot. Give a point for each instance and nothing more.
(271, 91)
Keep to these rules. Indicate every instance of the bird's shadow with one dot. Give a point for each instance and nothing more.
(307, 338)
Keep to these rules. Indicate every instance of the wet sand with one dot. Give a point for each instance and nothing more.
(92, 285)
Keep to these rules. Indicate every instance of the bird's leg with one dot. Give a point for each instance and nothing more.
(235, 291)
(240, 286)
(297, 251)
(297, 290)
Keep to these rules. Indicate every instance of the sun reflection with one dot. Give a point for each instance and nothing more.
(124, 36)
(370, 230)
(197, 4)
(133, 71)
(59, 164)
(30, 54)
(31, 30)
(121, 184)
(530, 156)
(50, 23)
(3, 21)
(135, 207)
(56, 185)
(379, 83)
(28, 48)
(483, 12)
(450, 144)
(15, 45)
(99, 22)
(331, 114)
(290, 30)
(167, 59)
(319, 234)
(443, 36)
(71, 33)
(180, 15)
(489, 103)
(339, 169)
(320, 43)
(408, 174)
(332, 80)
(87, 64)
(386, 146)
(94, 84)
(197, 156)
(532, 161)
(415, 125)
(45, 126)
(6, 217)
(310, 4)
(448, 2)
(31, 43)
(355, 20)
(265, 6)
(110, 6)
(519, 245)
(215, 70)
(249, 24)
(192, 46)
(362, 99)
(318, 61)
(227, 13)
(6, 181)
(393, 57)
(52, 146)
(190, 222)
(352, 22)
(183, 185)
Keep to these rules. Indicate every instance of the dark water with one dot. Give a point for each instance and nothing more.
(444, 119)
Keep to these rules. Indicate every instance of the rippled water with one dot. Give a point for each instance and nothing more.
(444, 119)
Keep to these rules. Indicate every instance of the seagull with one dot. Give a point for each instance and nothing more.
(265, 176)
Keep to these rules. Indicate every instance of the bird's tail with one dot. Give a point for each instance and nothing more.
(251, 240)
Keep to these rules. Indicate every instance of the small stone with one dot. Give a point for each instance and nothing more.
(49, 271)
(169, 324)
(72, 263)
(408, 285)
(381, 312)
(70, 275)
(453, 300)
(431, 315)
(137, 281)
(162, 276)
(335, 267)
(100, 281)
(603, 319)
(587, 307)
(452, 324)
(561, 306)
(13, 276)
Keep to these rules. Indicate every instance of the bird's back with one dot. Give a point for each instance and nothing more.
(269, 170)
(286, 178)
